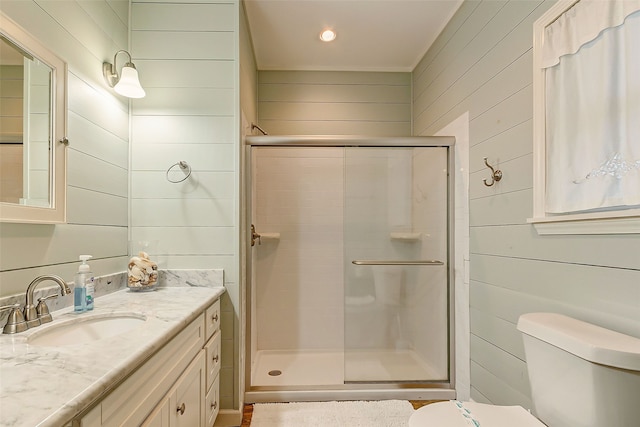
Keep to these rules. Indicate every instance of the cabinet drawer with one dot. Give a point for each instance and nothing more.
(213, 358)
(212, 404)
(212, 319)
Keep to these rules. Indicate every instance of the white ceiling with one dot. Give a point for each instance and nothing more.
(373, 35)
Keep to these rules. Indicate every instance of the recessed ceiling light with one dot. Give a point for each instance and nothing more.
(327, 35)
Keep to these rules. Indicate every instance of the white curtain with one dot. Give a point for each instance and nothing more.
(592, 58)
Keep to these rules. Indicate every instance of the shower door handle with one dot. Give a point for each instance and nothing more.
(391, 262)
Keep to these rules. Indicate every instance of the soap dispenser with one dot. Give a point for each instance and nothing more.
(84, 287)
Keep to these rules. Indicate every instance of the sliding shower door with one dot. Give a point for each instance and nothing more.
(396, 261)
(349, 268)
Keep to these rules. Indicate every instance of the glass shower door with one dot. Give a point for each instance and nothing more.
(396, 237)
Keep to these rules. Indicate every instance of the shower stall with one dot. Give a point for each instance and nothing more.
(349, 268)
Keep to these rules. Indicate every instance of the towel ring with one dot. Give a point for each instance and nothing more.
(183, 165)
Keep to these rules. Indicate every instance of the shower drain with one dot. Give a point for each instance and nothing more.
(275, 373)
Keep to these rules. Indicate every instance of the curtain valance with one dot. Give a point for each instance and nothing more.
(582, 24)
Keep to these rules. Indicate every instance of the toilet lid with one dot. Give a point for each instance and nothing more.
(465, 414)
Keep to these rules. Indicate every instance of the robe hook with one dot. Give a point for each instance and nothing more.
(496, 174)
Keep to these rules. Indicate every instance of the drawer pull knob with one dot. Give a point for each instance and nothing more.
(181, 408)
(214, 404)
(215, 358)
(215, 317)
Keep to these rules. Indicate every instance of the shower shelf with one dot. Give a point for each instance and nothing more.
(406, 237)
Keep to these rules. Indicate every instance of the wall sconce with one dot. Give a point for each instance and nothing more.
(127, 83)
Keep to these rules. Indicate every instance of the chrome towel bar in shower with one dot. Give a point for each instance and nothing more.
(380, 262)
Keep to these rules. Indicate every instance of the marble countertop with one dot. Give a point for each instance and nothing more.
(48, 386)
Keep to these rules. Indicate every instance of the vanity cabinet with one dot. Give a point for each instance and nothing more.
(177, 386)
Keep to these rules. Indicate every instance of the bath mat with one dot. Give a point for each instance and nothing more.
(384, 413)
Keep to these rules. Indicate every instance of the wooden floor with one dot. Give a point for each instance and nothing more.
(248, 410)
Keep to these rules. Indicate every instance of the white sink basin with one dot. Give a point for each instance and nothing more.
(85, 328)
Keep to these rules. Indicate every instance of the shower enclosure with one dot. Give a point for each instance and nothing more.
(350, 267)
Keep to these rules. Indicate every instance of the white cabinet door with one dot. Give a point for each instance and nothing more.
(183, 405)
(187, 399)
(160, 416)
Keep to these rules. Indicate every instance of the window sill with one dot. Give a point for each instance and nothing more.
(621, 222)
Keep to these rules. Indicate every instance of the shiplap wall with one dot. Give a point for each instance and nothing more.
(84, 33)
(248, 71)
(482, 63)
(187, 57)
(334, 103)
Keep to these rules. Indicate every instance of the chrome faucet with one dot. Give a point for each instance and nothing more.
(30, 312)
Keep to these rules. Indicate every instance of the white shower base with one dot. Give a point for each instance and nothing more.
(328, 368)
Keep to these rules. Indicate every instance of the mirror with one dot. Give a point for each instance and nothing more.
(32, 129)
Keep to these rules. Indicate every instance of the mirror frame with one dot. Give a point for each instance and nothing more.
(56, 213)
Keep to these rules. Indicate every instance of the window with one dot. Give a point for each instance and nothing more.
(586, 131)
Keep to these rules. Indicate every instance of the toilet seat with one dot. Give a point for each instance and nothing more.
(463, 414)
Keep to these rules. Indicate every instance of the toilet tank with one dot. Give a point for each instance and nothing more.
(581, 375)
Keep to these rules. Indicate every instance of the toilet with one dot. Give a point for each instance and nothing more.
(581, 375)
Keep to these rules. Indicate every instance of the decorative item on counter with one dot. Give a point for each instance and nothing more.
(143, 273)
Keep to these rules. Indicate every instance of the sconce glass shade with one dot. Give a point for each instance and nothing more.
(129, 84)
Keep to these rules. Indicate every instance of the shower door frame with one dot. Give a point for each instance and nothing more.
(425, 390)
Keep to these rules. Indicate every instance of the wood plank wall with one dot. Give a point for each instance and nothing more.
(482, 63)
(248, 72)
(187, 58)
(84, 33)
(334, 103)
